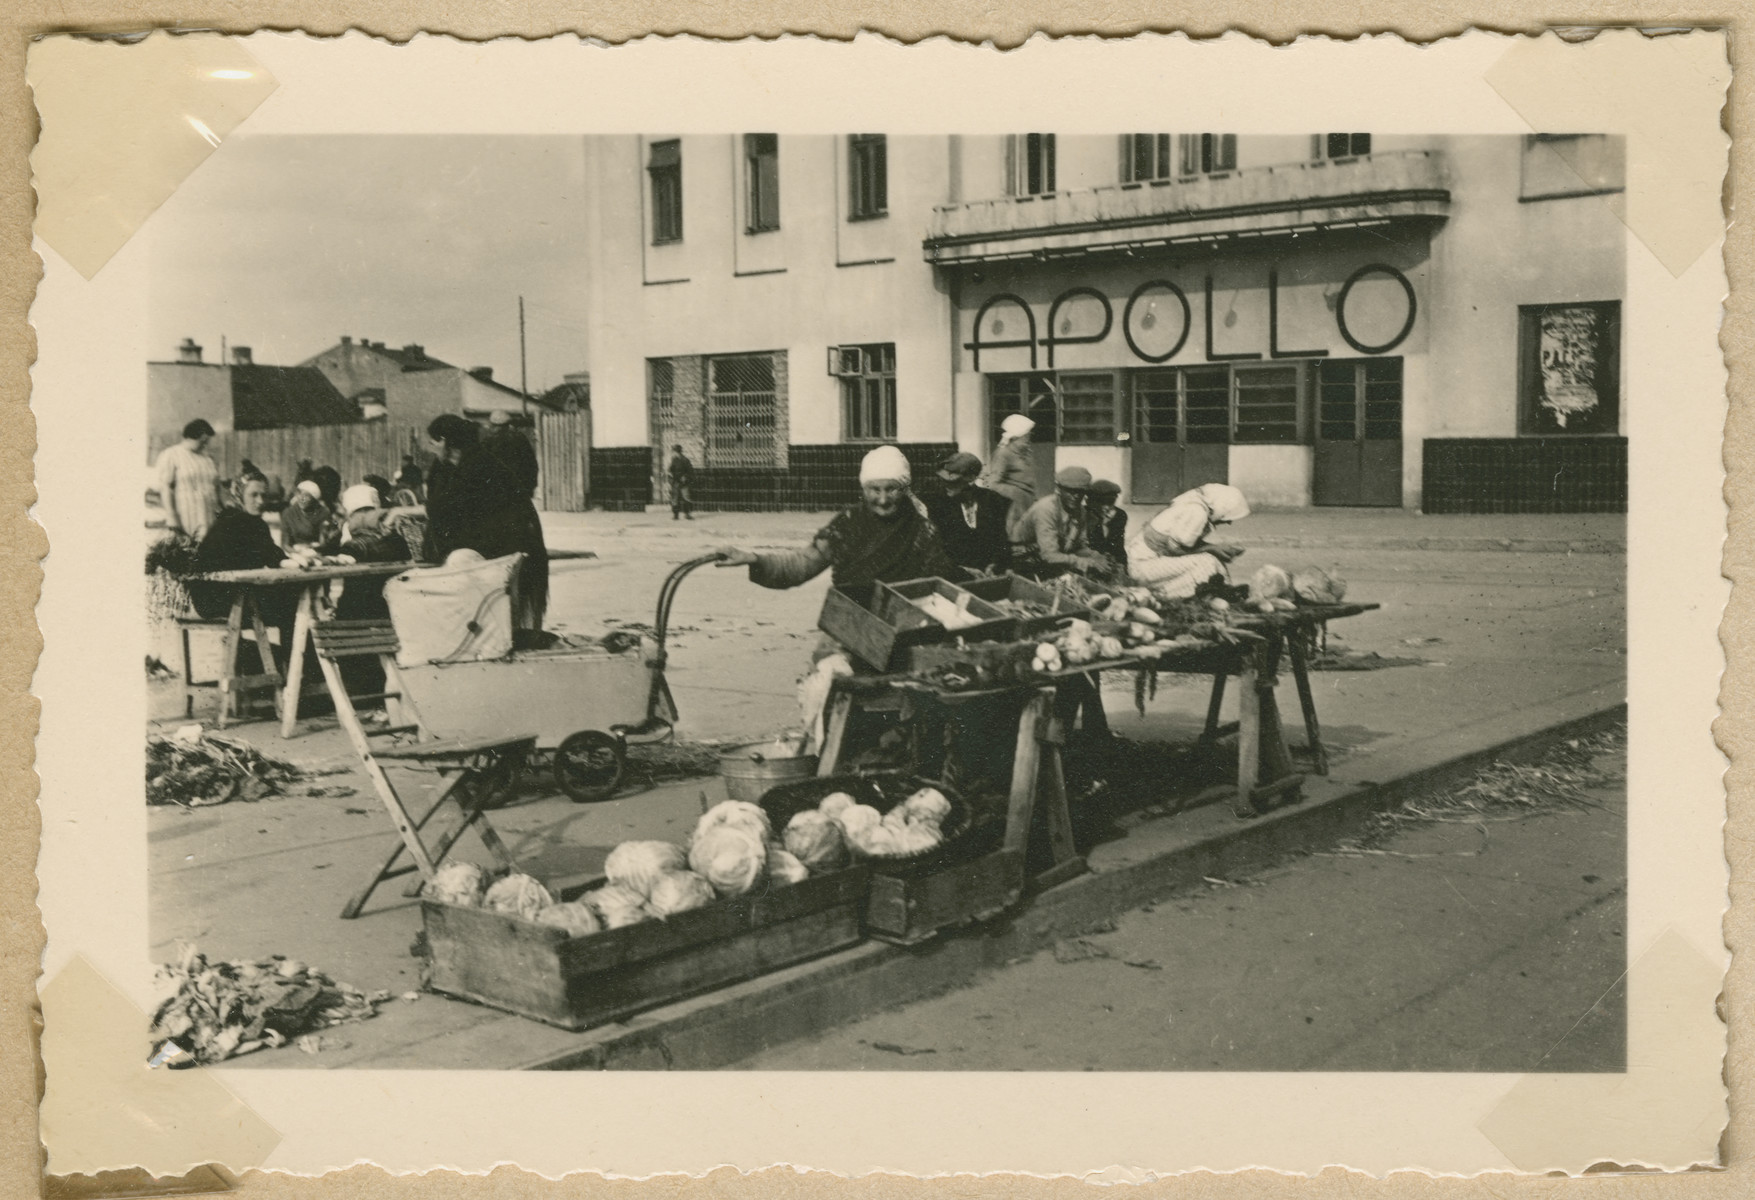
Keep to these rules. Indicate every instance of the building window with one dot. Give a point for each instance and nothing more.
(661, 397)
(741, 427)
(664, 168)
(1087, 408)
(1359, 399)
(1339, 145)
(761, 182)
(1145, 156)
(1032, 395)
(868, 171)
(868, 390)
(1206, 153)
(1030, 165)
(1556, 166)
(1569, 368)
(1265, 404)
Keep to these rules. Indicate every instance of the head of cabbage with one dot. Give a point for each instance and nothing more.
(815, 841)
(928, 804)
(679, 891)
(616, 905)
(518, 894)
(836, 803)
(738, 814)
(637, 865)
(784, 867)
(1269, 583)
(729, 857)
(457, 883)
(856, 817)
(1318, 586)
(574, 916)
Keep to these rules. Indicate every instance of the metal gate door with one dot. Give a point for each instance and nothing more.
(1182, 432)
(1358, 458)
(741, 427)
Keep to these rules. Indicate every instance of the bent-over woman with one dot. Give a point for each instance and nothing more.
(1171, 553)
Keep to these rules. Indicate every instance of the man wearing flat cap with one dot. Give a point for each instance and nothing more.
(971, 519)
(1053, 530)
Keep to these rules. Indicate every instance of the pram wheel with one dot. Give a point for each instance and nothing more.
(589, 765)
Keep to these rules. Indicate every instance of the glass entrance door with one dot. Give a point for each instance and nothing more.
(1182, 431)
(1358, 457)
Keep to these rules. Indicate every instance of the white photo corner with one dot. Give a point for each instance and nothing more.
(1217, 621)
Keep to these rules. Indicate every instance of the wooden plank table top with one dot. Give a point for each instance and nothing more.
(301, 576)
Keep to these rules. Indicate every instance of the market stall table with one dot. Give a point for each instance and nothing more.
(313, 583)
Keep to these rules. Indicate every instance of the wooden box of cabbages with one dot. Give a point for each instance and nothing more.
(965, 878)
(579, 982)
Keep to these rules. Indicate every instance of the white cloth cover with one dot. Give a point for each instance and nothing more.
(454, 614)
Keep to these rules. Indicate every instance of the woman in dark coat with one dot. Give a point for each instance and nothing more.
(240, 540)
(473, 503)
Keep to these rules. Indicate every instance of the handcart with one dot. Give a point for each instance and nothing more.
(586, 704)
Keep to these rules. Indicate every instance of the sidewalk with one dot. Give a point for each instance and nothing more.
(1510, 642)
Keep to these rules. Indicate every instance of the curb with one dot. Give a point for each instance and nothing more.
(728, 1025)
(1469, 544)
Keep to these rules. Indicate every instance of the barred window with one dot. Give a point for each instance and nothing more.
(867, 176)
(1087, 408)
(761, 153)
(1266, 404)
(742, 429)
(664, 168)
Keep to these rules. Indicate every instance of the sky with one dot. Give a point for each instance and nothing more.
(284, 243)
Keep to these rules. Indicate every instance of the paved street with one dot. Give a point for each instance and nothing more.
(1449, 946)
(1499, 641)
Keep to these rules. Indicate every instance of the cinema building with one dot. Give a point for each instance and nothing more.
(1330, 319)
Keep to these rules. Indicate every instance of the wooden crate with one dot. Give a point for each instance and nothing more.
(1016, 587)
(896, 599)
(909, 910)
(856, 618)
(581, 982)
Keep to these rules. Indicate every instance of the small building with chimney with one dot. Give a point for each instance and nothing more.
(238, 393)
(406, 384)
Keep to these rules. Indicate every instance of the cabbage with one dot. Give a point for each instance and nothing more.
(1268, 582)
(637, 865)
(835, 804)
(858, 816)
(927, 804)
(729, 858)
(874, 840)
(575, 917)
(1318, 586)
(895, 818)
(739, 814)
(457, 883)
(917, 837)
(678, 891)
(815, 841)
(616, 905)
(520, 895)
(783, 868)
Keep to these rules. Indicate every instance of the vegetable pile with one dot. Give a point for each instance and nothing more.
(215, 1011)
(208, 769)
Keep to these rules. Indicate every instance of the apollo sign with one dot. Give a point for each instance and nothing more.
(1143, 310)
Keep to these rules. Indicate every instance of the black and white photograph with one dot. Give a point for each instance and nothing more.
(671, 597)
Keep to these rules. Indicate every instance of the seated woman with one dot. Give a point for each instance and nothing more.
(240, 540)
(887, 537)
(1171, 554)
(306, 520)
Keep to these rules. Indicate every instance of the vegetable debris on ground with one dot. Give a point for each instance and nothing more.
(215, 1011)
(207, 769)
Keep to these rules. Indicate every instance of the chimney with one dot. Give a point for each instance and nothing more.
(346, 341)
(189, 352)
(415, 350)
(485, 374)
(241, 356)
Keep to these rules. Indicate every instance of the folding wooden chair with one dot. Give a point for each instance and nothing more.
(473, 770)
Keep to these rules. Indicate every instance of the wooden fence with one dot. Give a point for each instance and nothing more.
(563, 453)
(562, 441)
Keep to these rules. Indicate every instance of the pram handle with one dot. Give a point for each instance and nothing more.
(667, 595)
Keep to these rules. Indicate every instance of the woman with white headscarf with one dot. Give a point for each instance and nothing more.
(1012, 471)
(886, 537)
(1171, 554)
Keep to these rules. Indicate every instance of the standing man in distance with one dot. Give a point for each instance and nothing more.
(188, 482)
(971, 519)
(682, 479)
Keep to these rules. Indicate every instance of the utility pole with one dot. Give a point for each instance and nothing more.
(523, 378)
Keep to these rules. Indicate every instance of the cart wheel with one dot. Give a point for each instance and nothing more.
(500, 780)
(588, 766)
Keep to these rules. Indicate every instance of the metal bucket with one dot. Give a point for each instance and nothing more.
(749, 772)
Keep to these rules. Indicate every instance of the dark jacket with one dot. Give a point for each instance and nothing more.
(236, 541)
(477, 505)
(979, 550)
(1107, 536)
(515, 455)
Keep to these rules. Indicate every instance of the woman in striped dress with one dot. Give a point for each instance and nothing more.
(1171, 554)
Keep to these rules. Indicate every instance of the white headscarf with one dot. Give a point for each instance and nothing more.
(1191, 516)
(1016, 426)
(886, 463)
(360, 495)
